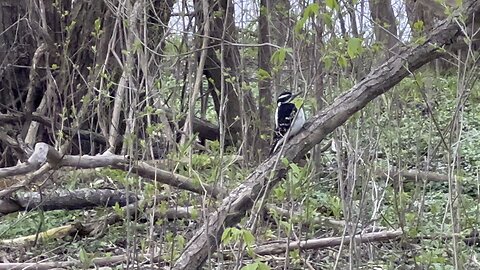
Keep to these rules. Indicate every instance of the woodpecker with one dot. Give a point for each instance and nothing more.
(284, 115)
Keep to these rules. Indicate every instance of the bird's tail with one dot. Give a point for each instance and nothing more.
(277, 141)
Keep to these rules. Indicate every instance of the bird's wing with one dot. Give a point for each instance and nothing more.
(288, 112)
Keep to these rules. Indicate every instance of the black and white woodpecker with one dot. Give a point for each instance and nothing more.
(287, 117)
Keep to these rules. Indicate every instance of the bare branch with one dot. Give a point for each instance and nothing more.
(175, 180)
(278, 248)
(43, 153)
(414, 175)
(46, 153)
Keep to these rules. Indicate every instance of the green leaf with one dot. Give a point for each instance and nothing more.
(342, 61)
(327, 18)
(257, 265)
(226, 235)
(354, 47)
(278, 57)
(332, 4)
(248, 237)
(295, 168)
(85, 258)
(285, 161)
(328, 62)
(98, 25)
(262, 74)
(311, 9)
(418, 26)
(252, 266)
(298, 102)
(194, 213)
(263, 266)
(299, 25)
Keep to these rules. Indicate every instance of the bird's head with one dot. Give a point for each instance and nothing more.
(286, 97)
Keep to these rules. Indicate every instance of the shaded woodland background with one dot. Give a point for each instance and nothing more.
(163, 108)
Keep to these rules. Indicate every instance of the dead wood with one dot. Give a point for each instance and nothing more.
(45, 157)
(203, 128)
(379, 81)
(413, 175)
(183, 212)
(95, 228)
(65, 199)
(175, 180)
(36, 266)
(58, 232)
(274, 210)
(72, 264)
(45, 153)
(318, 243)
(75, 264)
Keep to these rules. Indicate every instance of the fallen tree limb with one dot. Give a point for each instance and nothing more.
(46, 153)
(58, 232)
(175, 180)
(179, 212)
(21, 153)
(377, 82)
(279, 248)
(49, 157)
(37, 266)
(414, 175)
(322, 221)
(68, 200)
(203, 128)
(97, 262)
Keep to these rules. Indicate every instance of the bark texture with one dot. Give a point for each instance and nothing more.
(279, 248)
(264, 79)
(66, 199)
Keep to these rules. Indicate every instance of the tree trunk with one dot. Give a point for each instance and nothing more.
(239, 110)
(264, 79)
(281, 35)
(17, 46)
(385, 26)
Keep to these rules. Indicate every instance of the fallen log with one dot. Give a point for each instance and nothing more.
(318, 243)
(84, 198)
(94, 228)
(413, 175)
(175, 180)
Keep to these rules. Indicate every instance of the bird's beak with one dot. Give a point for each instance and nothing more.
(296, 95)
